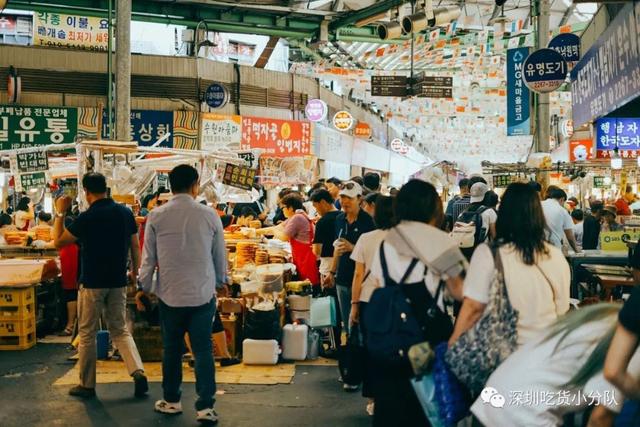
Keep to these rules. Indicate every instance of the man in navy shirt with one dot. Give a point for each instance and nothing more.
(108, 234)
(351, 223)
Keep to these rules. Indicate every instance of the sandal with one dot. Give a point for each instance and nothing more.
(66, 333)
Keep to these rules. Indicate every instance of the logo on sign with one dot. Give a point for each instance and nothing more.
(316, 110)
(343, 121)
(363, 130)
(545, 70)
(216, 96)
(399, 146)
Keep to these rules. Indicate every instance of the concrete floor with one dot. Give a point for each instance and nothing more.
(27, 398)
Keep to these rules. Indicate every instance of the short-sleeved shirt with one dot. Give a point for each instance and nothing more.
(558, 220)
(326, 233)
(104, 231)
(351, 232)
(364, 252)
(630, 313)
(298, 227)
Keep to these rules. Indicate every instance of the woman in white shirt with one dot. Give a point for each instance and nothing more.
(363, 284)
(24, 215)
(536, 273)
(418, 210)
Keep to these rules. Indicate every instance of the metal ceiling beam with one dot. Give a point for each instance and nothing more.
(567, 14)
(365, 13)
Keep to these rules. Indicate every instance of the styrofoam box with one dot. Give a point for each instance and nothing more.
(295, 342)
(299, 303)
(20, 271)
(260, 352)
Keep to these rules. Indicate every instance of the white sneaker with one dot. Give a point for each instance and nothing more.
(168, 408)
(349, 387)
(207, 416)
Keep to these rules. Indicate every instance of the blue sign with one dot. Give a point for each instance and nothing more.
(147, 126)
(216, 96)
(608, 76)
(544, 70)
(567, 45)
(617, 132)
(518, 104)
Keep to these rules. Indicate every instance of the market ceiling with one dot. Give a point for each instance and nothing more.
(301, 20)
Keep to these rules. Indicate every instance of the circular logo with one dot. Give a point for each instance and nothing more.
(316, 110)
(216, 96)
(343, 121)
(285, 131)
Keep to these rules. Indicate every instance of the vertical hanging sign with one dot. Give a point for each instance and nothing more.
(518, 97)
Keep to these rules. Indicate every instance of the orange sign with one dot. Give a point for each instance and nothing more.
(363, 130)
(343, 121)
(280, 138)
(580, 150)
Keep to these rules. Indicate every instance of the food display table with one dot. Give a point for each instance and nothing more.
(610, 277)
(592, 257)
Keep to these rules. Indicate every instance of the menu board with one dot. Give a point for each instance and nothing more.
(32, 180)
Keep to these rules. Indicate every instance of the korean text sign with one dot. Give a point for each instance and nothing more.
(147, 126)
(608, 76)
(33, 180)
(238, 176)
(281, 138)
(623, 133)
(71, 31)
(518, 97)
(544, 70)
(23, 127)
(220, 131)
(32, 162)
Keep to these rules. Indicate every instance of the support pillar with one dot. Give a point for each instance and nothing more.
(543, 123)
(123, 69)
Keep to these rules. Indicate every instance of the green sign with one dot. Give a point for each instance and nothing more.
(33, 180)
(598, 182)
(24, 127)
(32, 162)
(500, 181)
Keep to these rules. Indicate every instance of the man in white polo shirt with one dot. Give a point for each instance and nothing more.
(559, 222)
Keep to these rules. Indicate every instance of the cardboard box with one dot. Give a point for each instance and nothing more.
(231, 305)
(232, 330)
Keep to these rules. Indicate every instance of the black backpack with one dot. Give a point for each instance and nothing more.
(401, 315)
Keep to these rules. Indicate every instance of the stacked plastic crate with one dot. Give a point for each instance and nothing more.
(17, 318)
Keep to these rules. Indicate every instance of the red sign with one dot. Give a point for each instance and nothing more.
(363, 130)
(280, 138)
(580, 150)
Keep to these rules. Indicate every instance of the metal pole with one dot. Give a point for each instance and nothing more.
(123, 69)
(543, 119)
(110, 127)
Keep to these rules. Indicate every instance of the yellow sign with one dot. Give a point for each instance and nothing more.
(343, 121)
(70, 31)
(611, 241)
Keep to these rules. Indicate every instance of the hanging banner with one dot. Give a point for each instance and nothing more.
(220, 132)
(70, 31)
(545, 70)
(608, 76)
(281, 138)
(620, 133)
(23, 127)
(518, 97)
(333, 145)
(580, 150)
(147, 126)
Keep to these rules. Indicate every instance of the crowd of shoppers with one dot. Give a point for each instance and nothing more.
(352, 241)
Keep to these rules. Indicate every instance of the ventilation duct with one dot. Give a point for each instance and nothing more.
(421, 21)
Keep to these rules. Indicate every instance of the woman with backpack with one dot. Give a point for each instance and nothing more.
(416, 264)
(536, 273)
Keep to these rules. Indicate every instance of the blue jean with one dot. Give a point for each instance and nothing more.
(344, 301)
(175, 322)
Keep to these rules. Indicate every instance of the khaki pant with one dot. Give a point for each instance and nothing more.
(92, 304)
